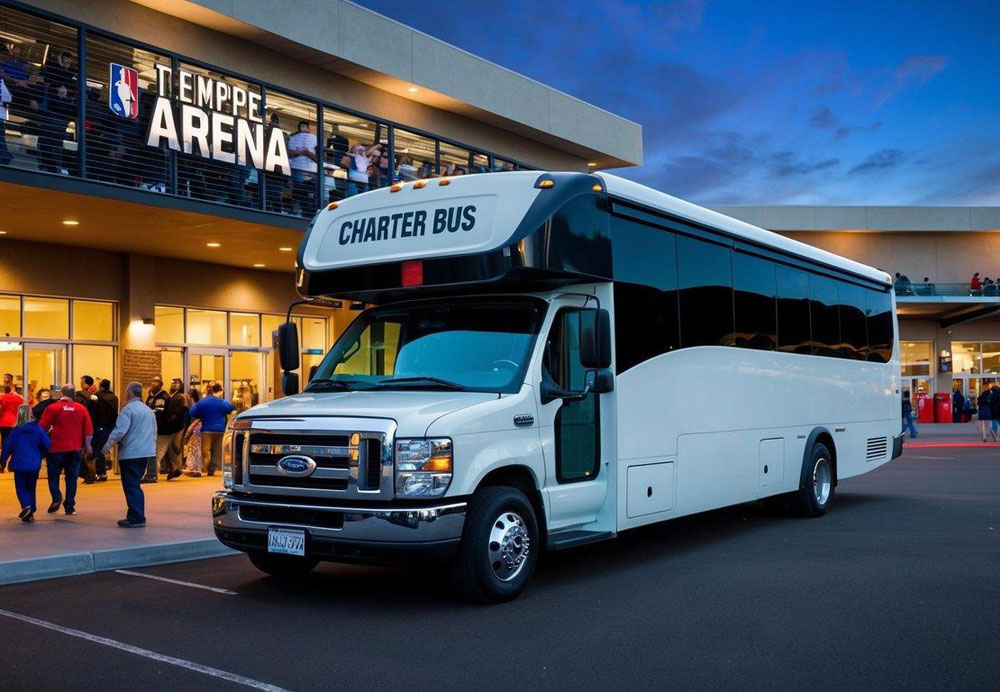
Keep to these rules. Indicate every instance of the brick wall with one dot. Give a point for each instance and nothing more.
(139, 366)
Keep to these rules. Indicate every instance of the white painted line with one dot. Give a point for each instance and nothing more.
(177, 581)
(162, 658)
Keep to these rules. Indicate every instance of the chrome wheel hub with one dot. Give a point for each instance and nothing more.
(821, 481)
(509, 546)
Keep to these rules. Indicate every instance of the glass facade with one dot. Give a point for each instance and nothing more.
(46, 342)
(916, 357)
(159, 122)
(204, 347)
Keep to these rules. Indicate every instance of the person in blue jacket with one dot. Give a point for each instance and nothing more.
(23, 450)
(213, 411)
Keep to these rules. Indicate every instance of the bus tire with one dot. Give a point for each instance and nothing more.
(499, 547)
(816, 484)
(282, 566)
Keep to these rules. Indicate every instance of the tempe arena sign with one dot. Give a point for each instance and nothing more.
(215, 120)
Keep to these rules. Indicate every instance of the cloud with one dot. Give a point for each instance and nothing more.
(844, 132)
(879, 161)
(824, 118)
(784, 164)
(915, 71)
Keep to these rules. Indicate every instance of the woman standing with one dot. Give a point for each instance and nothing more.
(985, 414)
(192, 440)
(23, 450)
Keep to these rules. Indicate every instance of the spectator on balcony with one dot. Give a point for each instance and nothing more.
(357, 163)
(926, 288)
(976, 285)
(54, 123)
(989, 286)
(903, 285)
(407, 171)
(59, 71)
(302, 159)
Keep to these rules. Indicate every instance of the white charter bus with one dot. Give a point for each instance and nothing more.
(547, 359)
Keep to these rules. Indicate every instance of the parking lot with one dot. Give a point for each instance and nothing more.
(897, 587)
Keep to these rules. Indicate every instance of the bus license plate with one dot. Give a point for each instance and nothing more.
(286, 541)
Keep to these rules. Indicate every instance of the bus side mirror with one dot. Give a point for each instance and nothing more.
(290, 383)
(595, 339)
(288, 347)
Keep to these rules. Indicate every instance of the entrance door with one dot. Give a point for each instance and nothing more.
(576, 481)
(207, 367)
(247, 378)
(45, 367)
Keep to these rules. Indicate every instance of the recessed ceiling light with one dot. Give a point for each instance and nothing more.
(592, 164)
(71, 222)
(3, 232)
(285, 249)
(413, 90)
(213, 244)
(259, 264)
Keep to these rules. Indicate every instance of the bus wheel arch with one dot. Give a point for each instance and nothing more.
(819, 475)
(522, 478)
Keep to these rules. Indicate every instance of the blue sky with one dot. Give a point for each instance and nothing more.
(885, 102)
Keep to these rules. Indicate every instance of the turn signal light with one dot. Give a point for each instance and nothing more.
(440, 464)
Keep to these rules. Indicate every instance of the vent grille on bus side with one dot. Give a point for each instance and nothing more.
(878, 447)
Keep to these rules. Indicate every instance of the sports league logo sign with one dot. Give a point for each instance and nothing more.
(123, 97)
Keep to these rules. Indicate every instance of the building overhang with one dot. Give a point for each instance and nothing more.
(135, 221)
(413, 65)
(948, 311)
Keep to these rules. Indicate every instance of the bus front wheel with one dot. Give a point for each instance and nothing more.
(499, 548)
(816, 485)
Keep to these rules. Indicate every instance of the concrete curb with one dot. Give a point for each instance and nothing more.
(70, 564)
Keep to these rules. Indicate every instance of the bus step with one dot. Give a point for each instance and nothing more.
(571, 539)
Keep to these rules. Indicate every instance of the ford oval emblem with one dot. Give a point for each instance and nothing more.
(296, 465)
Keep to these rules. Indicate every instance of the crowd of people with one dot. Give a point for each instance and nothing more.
(169, 432)
(41, 102)
(978, 286)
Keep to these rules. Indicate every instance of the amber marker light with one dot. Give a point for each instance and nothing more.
(396, 188)
(332, 205)
(419, 184)
(546, 184)
(444, 181)
(442, 463)
(597, 188)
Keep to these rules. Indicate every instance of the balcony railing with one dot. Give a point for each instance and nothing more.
(950, 290)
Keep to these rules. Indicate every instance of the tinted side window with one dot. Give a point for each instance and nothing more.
(645, 272)
(880, 327)
(853, 330)
(754, 302)
(793, 310)
(705, 279)
(823, 315)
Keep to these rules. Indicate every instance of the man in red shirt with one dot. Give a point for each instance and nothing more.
(69, 426)
(9, 401)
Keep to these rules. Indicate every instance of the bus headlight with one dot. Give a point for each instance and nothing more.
(423, 467)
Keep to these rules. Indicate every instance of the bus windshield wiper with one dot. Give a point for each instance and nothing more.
(326, 382)
(434, 381)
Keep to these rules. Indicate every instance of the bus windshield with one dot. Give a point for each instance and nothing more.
(473, 345)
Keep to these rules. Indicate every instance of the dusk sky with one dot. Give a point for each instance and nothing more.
(887, 102)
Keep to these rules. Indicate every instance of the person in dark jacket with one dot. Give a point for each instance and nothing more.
(995, 411)
(103, 413)
(957, 406)
(171, 426)
(908, 415)
(44, 398)
(985, 414)
(23, 451)
(157, 400)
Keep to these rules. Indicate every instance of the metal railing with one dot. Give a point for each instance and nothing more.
(946, 289)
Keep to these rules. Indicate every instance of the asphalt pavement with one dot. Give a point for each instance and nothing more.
(897, 587)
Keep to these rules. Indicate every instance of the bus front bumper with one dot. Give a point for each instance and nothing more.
(342, 534)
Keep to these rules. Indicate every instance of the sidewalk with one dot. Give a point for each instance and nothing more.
(946, 433)
(179, 528)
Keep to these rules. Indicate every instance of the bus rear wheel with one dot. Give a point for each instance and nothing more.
(499, 548)
(816, 485)
(282, 566)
